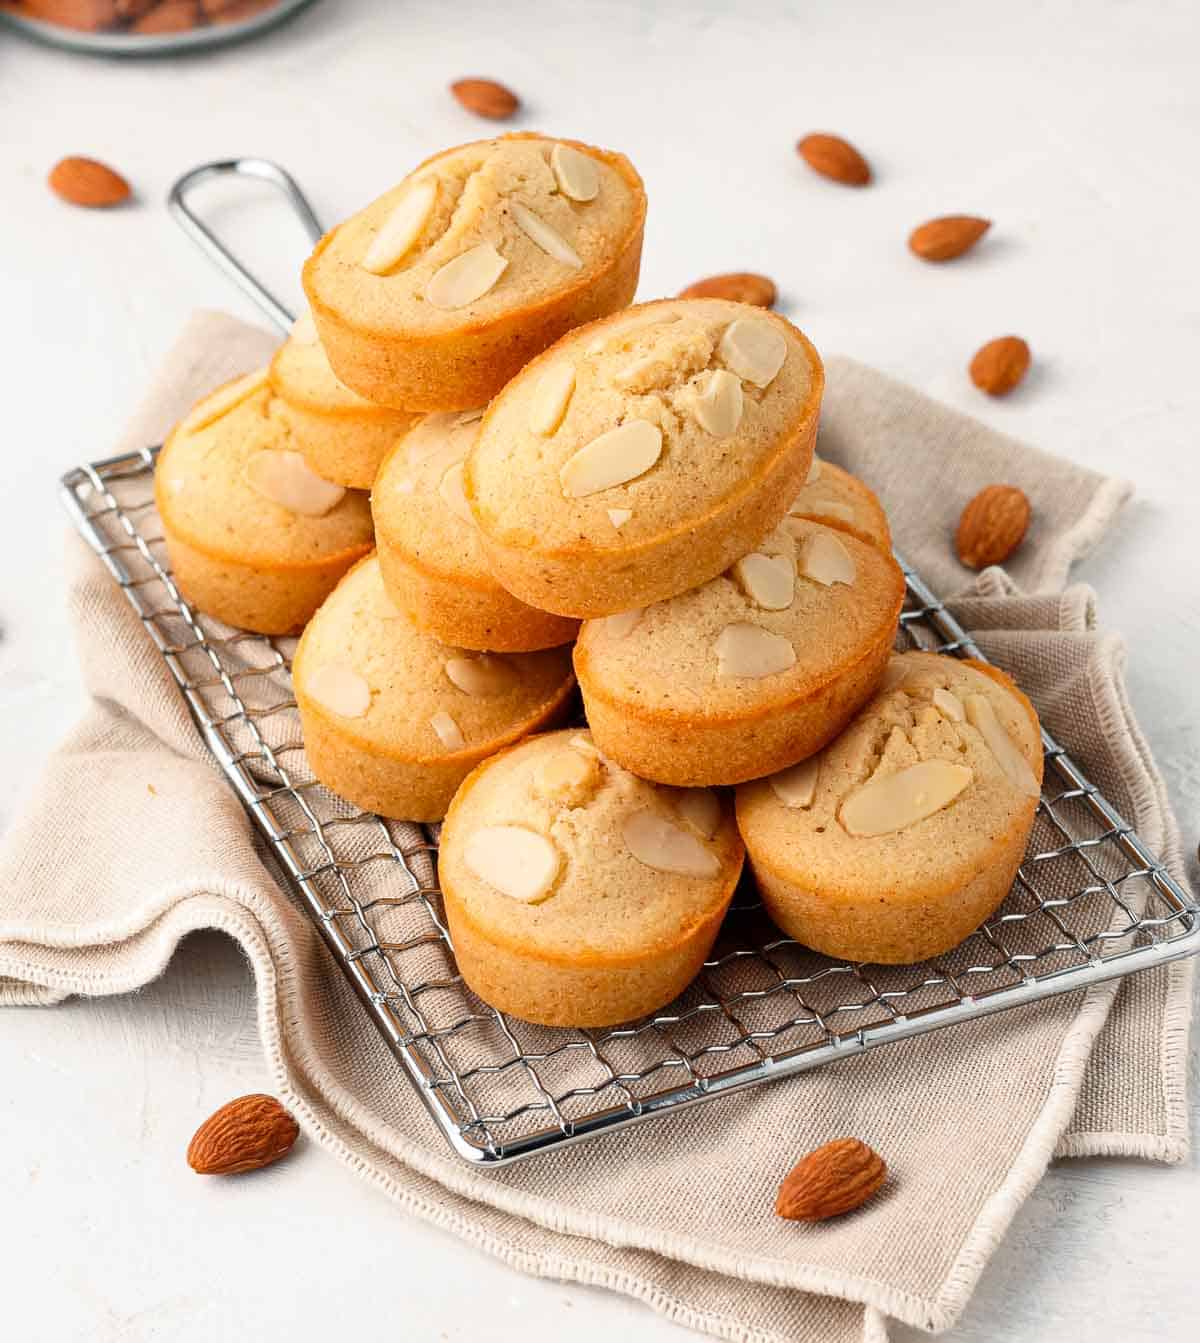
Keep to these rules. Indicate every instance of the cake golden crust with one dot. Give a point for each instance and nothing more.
(663, 702)
(715, 478)
(391, 721)
(234, 553)
(432, 561)
(393, 348)
(900, 895)
(611, 938)
(342, 435)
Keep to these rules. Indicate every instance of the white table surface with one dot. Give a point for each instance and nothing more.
(1074, 126)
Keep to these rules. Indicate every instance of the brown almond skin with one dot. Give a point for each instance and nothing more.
(486, 98)
(246, 1134)
(88, 183)
(740, 286)
(835, 158)
(836, 1178)
(1000, 365)
(947, 237)
(992, 526)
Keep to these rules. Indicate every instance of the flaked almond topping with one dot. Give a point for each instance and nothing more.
(304, 330)
(814, 472)
(797, 786)
(469, 416)
(517, 861)
(826, 560)
(451, 490)
(620, 455)
(982, 716)
(448, 731)
(542, 235)
(576, 174)
(829, 508)
(568, 776)
(749, 650)
(700, 808)
(718, 409)
(551, 397)
(754, 349)
(768, 580)
(223, 400)
(468, 277)
(401, 228)
(894, 802)
(665, 847)
(618, 626)
(286, 479)
(340, 689)
(619, 516)
(487, 674)
(949, 703)
(893, 675)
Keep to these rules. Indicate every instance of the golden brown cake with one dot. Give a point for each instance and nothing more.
(644, 454)
(747, 673)
(577, 894)
(342, 435)
(393, 720)
(253, 535)
(833, 496)
(433, 564)
(904, 834)
(433, 296)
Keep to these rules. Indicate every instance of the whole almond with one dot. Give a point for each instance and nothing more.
(992, 526)
(246, 1134)
(835, 158)
(486, 98)
(741, 286)
(1000, 365)
(88, 182)
(949, 236)
(834, 1179)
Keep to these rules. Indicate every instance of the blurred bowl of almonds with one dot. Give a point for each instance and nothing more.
(144, 27)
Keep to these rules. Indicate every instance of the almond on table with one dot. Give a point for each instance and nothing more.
(835, 158)
(738, 286)
(88, 182)
(1000, 365)
(486, 98)
(947, 237)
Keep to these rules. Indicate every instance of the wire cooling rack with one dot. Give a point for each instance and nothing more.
(1090, 902)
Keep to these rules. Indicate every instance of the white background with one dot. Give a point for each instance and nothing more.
(1075, 127)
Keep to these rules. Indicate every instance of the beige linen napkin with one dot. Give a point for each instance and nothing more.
(133, 839)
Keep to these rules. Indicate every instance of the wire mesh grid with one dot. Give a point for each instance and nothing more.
(1090, 902)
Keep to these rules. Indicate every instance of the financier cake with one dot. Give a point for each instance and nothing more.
(432, 561)
(576, 893)
(342, 435)
(643, 454)
(393, 720)
(433, 296)
(905, 834)
(749, 672)
(833, 496)
(254, 536)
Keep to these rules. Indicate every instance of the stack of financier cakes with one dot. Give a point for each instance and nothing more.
(549, 467)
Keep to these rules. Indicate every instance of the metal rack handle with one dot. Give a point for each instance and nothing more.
(262, 170)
